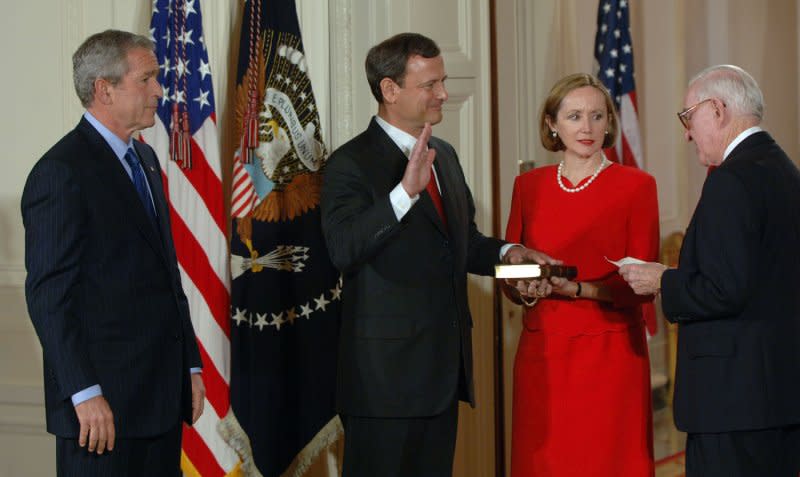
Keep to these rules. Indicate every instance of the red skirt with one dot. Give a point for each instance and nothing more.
(582, 405)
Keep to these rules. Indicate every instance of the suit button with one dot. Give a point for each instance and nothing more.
(446, 243)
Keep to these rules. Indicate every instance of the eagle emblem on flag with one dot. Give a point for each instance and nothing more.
(282, 148)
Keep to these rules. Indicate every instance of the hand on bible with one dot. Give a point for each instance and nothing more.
(564, 287)
(530, 288)
(519, 254)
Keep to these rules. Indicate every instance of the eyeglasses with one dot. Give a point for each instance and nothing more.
(685, 115)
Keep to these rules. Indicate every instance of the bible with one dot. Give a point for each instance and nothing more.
(533, 270)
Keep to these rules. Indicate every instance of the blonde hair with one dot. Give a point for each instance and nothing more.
(552, 104)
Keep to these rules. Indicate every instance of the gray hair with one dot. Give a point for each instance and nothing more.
(732, 85)
(103, 55)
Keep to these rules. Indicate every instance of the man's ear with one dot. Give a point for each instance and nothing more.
(389, 90)
(102, 91)
(721, 113)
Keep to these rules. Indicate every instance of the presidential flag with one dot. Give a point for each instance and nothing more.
(185, 139)
(285, 293)
(614, 54)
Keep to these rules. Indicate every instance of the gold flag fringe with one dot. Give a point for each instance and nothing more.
(327, 437)
(233, 434)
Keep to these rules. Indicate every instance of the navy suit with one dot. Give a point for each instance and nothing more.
(406, 336)
(103, 289)
(736, 297)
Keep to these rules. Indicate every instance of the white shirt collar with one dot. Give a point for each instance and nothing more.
(403, 140)
(738, 139)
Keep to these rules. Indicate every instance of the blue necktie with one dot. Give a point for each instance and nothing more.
(140, 183)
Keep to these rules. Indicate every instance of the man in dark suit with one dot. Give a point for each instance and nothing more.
(404, 238)
(103, 287)
(736, 291)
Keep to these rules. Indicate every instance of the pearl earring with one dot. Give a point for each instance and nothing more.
(553, 133)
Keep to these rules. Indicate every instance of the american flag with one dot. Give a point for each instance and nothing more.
(614, 55)
(185, 139)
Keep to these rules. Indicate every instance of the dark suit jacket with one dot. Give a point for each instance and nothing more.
(406, 328)
(103, 289)
(736, 296)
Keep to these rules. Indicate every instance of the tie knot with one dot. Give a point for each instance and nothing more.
(131, 158)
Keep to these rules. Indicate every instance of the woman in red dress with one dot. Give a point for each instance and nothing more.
(581, 376)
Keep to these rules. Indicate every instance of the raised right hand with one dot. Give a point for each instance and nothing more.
(418, 170)
(97, 424)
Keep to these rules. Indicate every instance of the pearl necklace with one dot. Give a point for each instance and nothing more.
(586, 184)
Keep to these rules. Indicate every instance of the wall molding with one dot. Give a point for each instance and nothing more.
(341, 73)
(22, 409)
(12, 276)
(526, 82)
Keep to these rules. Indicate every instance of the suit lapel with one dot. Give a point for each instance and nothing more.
(110, 170)
(393, 166)
(388, 171)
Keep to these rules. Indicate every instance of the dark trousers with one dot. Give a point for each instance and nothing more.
(159, 456)
(408, 447)
(763, 453)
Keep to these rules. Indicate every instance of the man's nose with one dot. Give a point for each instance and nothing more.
(159, 92)
(441, 93)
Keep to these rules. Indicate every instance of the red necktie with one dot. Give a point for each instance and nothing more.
(433, 191)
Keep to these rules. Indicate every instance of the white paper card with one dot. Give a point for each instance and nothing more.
(624, 261)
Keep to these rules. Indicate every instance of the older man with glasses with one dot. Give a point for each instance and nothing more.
(736, 291)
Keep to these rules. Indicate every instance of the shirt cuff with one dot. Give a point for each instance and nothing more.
(401, 202)
(195, 370)
(505, 248)
(86, 394)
